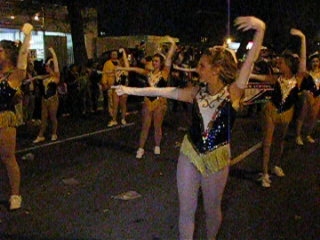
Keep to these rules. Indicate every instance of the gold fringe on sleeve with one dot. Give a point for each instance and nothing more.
(210, 162)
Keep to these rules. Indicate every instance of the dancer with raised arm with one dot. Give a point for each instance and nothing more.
(205, 151)
(50, 99)
(309, 100)
(154, 108)
(13, 65)
(278, 111)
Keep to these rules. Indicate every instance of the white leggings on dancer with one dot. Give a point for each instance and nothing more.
(189, 180)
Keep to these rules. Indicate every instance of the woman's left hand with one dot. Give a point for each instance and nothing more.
(249, 22)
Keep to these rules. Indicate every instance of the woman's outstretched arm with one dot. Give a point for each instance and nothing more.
(181, 94)
(138, 70)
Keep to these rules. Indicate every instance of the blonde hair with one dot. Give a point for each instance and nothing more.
(225, 59)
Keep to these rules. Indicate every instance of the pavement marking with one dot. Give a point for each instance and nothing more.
(245, 153)
(74, 138)
(233, 161)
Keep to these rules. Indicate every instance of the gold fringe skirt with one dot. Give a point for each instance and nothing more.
(207, 163)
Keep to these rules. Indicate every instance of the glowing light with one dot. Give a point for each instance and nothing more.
(229, 40)
(12, 17)
(36, 17)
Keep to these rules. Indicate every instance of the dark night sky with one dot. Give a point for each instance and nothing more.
(191, 19)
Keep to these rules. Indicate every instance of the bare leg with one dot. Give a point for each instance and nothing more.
(110, 102)
(115, 100)
(314, 115)
(123, 106)
(302, 115)
(44, 118)
(7, 153)
(146, 123)
(158, 115)
(283, 129)
(268, 129)
(53, 109)
(188, 181)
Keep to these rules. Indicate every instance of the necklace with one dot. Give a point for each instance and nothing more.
(211, 101)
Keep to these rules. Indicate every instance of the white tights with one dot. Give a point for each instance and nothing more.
(189, 180)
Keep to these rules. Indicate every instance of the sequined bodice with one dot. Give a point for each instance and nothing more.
(7, 94)
(156, 80)
(285, 94)
(316, 79)
(212, 120)
(311, 83)
(121, 78)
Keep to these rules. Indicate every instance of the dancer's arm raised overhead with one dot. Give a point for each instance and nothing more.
(20, 73)
(55, 62)
(248, 23)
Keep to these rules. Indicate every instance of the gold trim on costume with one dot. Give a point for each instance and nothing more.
(156, 103)
(210, 162)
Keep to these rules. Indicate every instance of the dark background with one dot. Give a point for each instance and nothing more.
(193, 20)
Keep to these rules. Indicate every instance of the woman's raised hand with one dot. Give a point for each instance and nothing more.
(27, 28)
(296, 32)
(246, 23)
(171, 40)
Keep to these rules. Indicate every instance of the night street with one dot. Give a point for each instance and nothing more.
(113, 114)
(69, 187)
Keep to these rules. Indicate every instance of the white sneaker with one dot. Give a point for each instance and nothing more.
(140, 153)
(15, 202)
(123, 121)
(157, 150)
(265, 180)
(299, 141)
(54, 137)
(39, 139)
(112, 123)
(278, 171)
(310, 139)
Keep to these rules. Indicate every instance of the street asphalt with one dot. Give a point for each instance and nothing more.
(71, 188)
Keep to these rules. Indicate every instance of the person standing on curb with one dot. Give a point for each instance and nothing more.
(108, 80)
